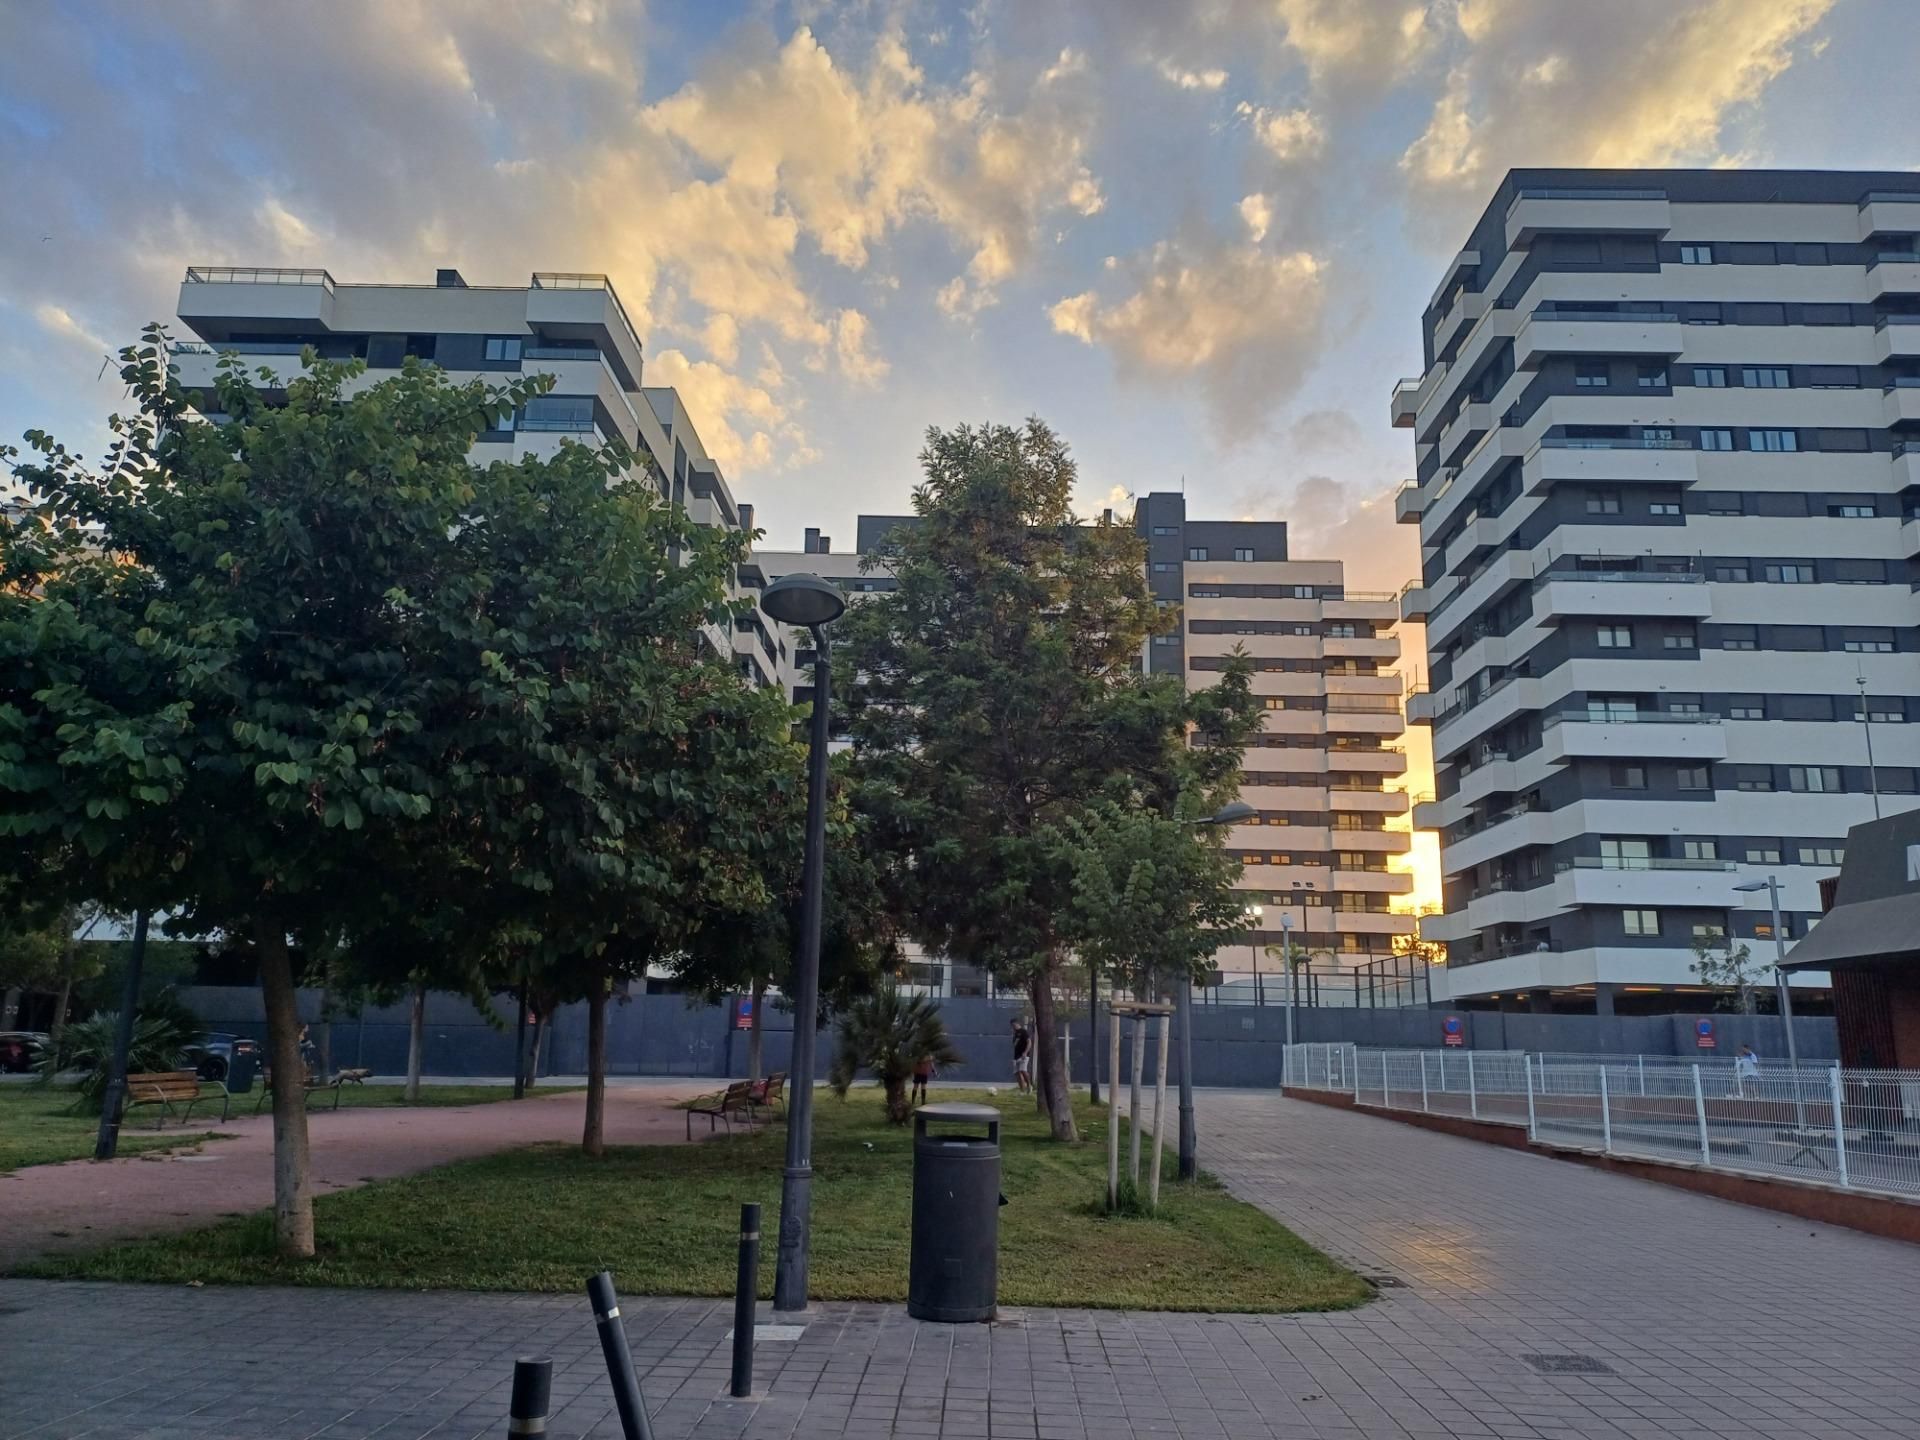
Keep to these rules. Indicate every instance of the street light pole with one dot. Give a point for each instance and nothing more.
(1866, 719)
(1286, 969)
(805, 600)
(1772, 886)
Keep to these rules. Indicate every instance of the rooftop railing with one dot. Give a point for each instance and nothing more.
(1575, 192)
(257, 275)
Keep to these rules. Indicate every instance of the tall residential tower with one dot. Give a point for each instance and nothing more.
(1668, 463)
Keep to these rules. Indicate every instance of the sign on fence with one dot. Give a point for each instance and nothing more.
(1703, 1034)
(1454, 1030)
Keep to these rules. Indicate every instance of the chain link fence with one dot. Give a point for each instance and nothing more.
(1823, 1125)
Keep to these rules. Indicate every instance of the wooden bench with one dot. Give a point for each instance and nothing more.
(770, 1092)
(736, 1099)
(311, 1086)
(174, 1092)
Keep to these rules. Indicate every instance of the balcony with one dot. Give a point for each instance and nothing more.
(1406, 403)
(1626, 460)
(1428, 813)
(1475, 539)
(1896, 337)
(1595, 210)
(1451, 610)
(1900, 401)
(584, 308)
(1654, 883)
(268, 298)
(1413, 602)
(1894, 272)
(1906, 464)
(1612, 735)
(1468, 306)
(1595, 332)
(1375, 802)
(1501, 833)
(1475, 418)
(1491, 708)
(1408, 501)
(1889, 212)
(1368, 647)
(1627, 593)
(1910, 539)
(1423, 706)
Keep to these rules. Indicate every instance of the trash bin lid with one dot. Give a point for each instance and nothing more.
(959, 1111)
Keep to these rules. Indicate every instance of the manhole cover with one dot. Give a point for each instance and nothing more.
(1385, 1282)
(775, 1332)
(1568, 1364)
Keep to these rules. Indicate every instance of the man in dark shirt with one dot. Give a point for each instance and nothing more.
(1022, 1057)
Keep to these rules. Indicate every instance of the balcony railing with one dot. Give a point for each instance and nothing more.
(1585, 193)
(1903, 382)
(1622, 317)
(1364, 704)
(1885, 320)
(1624, 717)
(586, 280)
(1626, 577)
(1613, 442)
(564, 424)
(1895, 257)
(257, 275)
(1637, 862)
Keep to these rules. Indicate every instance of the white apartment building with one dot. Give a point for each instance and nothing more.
(570, 326)
(1667, 472)
(1322, 776)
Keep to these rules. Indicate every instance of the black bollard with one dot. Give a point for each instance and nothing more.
(613, 1344)
(532, 1395)
(746, 1287)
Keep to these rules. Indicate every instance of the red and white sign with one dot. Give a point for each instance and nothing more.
(1453, 1031)
(1703, 1034)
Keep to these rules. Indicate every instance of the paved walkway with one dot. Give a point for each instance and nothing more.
(48, 1208)
(1706, 1319)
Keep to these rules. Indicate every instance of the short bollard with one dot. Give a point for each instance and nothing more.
(746, 1286)
(632, 1405)
(532, 1395)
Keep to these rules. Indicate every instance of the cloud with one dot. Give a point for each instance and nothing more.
(744, 425)
(1238, 321)
(721, 337)
(1191, 79)
(1257, 211)
(1356, 40)
(850, 346)
(1290, 135)
(1636, 83)
(1323, 430)
(58, 322)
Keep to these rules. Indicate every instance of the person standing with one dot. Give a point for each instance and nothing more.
(1022, 1056)
(922, 1073)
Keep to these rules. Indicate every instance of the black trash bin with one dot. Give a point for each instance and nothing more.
(241, 1069)
(954, 1275)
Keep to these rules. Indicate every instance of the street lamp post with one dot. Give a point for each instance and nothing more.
(810, 602)
(1254, 914)
(1772, 886)
(1866, 719)
(1231, 814)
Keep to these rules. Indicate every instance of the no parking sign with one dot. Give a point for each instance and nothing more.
(1703, 1034)
(1453, 1031)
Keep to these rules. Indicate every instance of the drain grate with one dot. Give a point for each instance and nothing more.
(1568, 1364)
(1385, 1282)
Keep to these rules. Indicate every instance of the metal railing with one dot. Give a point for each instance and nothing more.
(1817, 1124)
(257, 275)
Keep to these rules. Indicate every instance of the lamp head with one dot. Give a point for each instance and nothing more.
(1230, 814)
(1751, 886)
(803, 600)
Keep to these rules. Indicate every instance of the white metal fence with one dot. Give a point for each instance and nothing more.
(1853, 1129)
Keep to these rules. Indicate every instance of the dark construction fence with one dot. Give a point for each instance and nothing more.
(1232, 1045)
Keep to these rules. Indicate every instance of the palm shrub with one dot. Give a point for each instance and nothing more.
(888, 1034)
(160, 1031)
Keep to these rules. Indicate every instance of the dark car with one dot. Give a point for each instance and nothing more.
(212, 1056)
(17, 1048)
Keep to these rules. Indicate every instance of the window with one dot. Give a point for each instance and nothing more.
(1197, 552)
(1814, 779)
(1602, 708)
(1773, 442)
(1696, 254)
(1623, 776)
(1166, 639)
(1851, 440)
(1716, 439)
(1625, 854)
(1821, 854)
(1788, 574)
(1851, 512)
(1590, 374)
(1700, 849)
(1603, 502)
(1753, 778)
(1692, 777)
(1640, 922)
(1737, 637)
(1859, 572)
(1766, 377)
(1869, 642)
(1616, 637)
(1710, 377)
(1888, 712)
(503, 347)
(1161, 566)
(1763, 852)
(1806, 707)
(1797, 637)
(1343, 630)
(1663, 507)
(1650, 377)
(1200, 592)
(1165, 530)
(1243, 554)
(1679, 640)
(1709, 930)
(1304, 592)
(1301, 630)
(1734, 571)
(1725, 502)
(1705, 312)
(1276, 702)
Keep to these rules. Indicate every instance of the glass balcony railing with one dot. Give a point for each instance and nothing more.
(1626, 577)
(1885, 320)
(1637, 317)
(1613, 442)
(1626, 717)
(1586, 193)
(257, 275)
(1636, 862)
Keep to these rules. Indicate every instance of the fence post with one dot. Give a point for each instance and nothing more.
(1606, 1115)
(1421, 1055)
(1533, 1128)
(1700, 1113)
(1473, 1090)
(1356, 1074)
(1643, 1075)
(1839, 1126)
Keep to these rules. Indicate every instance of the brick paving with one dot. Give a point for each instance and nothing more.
(1715, 1320)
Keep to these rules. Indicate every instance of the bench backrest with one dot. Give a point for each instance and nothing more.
(739, 1093)
(770, 1090)
(164, 1085)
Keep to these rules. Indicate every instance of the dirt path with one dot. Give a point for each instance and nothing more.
(78, 1205)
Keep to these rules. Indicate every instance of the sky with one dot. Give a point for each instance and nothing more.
(1195, 238)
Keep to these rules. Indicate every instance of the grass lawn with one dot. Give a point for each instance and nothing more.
(352, 1095)
(664, 1220)
(40, 1126)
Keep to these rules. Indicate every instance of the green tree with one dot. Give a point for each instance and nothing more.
(889, 1035)
(1727, 966)
(998, 701)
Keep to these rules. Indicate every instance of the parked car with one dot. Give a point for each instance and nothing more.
(17, 1049)
(212, 1056)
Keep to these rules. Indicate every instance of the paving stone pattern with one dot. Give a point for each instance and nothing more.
(1715, 1320)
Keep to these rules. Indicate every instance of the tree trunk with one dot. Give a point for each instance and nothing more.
(753, 1027)
(10, 1008)
(416, 1043)
(533, 1051)
(1037, 1058)
(292, 1192)
(593, 1139)
(1059, 1103)
(326, 1029)
(60, 1004)
(897, 1107)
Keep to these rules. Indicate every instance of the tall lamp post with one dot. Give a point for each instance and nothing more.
(1254, 915)
(1231, 814)
(805, 601)
(1286, 950)
(1772, 886)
